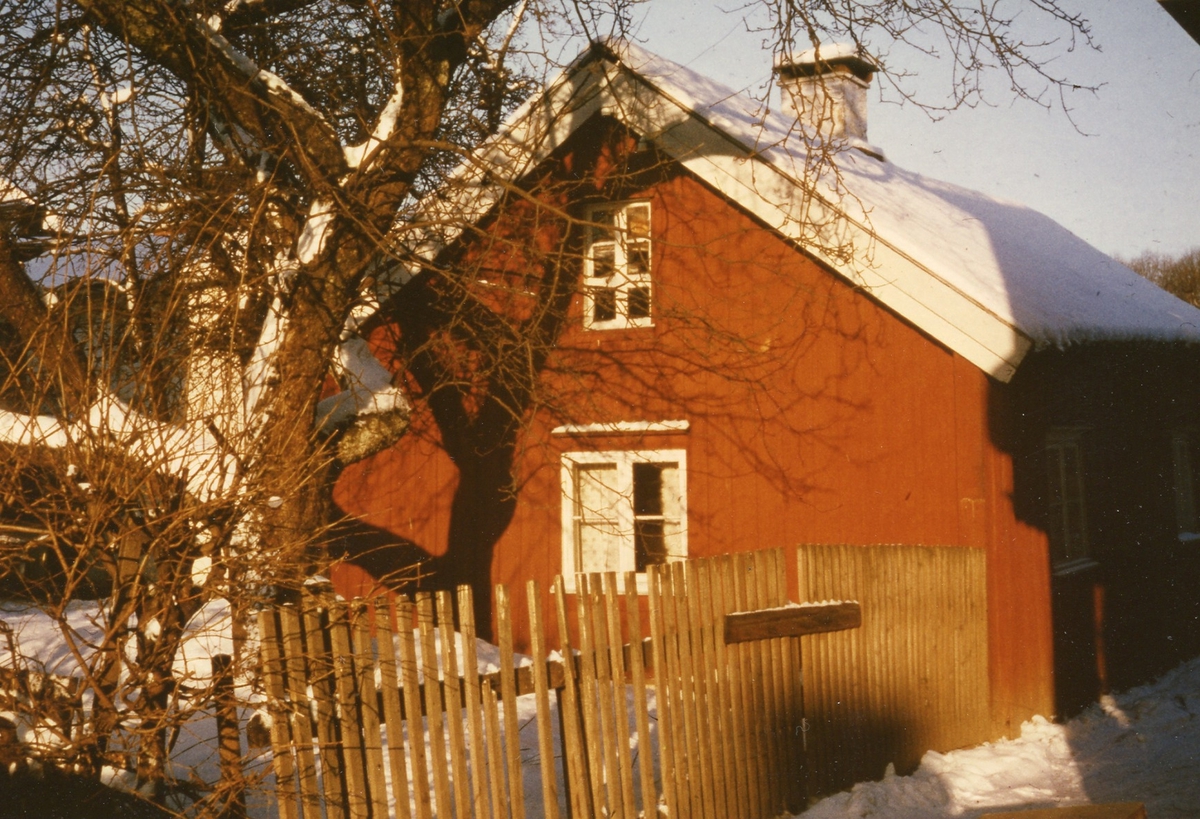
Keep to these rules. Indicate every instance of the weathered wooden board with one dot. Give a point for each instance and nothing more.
(790, 621)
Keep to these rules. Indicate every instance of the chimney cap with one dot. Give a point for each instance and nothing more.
(808, 63)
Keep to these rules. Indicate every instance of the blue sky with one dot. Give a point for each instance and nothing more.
(1122, 171)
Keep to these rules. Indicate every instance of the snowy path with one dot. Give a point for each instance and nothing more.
(1143, 746)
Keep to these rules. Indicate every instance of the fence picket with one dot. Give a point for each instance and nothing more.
(713, 792)
(641, 710)
(321, 681)
(720, 721)
(589, 688)
(301, 724)
(726, 713)
(272, 671)
(434, 719)
(495, 748)
(368, 699)
(411, 689)
(466, 610)
(392, 713)
(346, 692)
(577, 764)
(616, 667)
(508, 693)
(662, 693)
(542, 693)
(683, 695)
(452, 690)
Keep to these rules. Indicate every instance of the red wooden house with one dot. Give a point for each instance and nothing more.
(761, 343)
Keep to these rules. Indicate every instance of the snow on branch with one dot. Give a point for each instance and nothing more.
(187, 452)
(370, 390)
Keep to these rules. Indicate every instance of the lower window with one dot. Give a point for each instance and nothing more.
(623, 511)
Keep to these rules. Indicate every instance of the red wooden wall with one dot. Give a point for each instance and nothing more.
(816, 416)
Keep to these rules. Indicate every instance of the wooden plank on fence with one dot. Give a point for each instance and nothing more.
(320, 679)
(747, 588)
(791, 620)
(641, 710)
(452, 687)
(466, 609)
(612, 609)
(393, 716)
(369, 701)
(545, 727)
(301, 724)
(495, 746)
(700, 626)
(435, 720)
(719, 720)
(347, 700)
(662, 693)
(508, 692)
(793, 790)
(272, 670)
(746, 787)
(412, 693)
(578, 791)
(677, 624)
(589, 695)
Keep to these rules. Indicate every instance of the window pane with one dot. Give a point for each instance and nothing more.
(639, 302)
(604, 304)
(605, 228)
(637, 260)
(637, 219)
(650, 546)
(647, 489)
(597, 502)
(603, 261)
(656, 507)
(1066, 524)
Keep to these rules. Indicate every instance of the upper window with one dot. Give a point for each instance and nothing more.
(1187, 481)
(1067, 504)
(617, 291)
(623, 511)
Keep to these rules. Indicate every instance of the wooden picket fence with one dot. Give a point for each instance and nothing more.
(689, 714)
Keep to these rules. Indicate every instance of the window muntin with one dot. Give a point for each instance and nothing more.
(617, 286)
(623, 511)
(1066, 522)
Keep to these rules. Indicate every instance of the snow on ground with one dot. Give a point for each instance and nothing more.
(1140, 746)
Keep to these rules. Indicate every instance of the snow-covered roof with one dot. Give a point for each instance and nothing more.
(988, 278)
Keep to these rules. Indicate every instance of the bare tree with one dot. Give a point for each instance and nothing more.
(1179, 275)
(203, 206)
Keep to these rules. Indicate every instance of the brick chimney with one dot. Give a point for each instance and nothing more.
(826, 89)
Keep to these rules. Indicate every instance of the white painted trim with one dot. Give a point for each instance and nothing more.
(621, 428)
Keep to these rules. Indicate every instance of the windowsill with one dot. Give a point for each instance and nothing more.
(1076, 566)
(617, 324)
(622, 428)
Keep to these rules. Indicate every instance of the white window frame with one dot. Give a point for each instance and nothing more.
(624, 461)
(621, 280)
